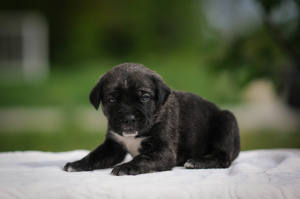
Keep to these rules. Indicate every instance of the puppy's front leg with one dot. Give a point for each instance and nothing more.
(146, 163)
(106, 155)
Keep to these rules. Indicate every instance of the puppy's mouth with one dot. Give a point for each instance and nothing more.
(130, 133)
(129, 125)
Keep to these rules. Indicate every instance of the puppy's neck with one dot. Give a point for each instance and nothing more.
(129, 141)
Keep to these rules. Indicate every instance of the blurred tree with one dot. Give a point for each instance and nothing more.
(272, 51)
(85, 30)
(289, 45)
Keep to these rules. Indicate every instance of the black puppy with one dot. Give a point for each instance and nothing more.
(159, 127)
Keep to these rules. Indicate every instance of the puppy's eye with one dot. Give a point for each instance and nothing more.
(145, 98)
(112, 100)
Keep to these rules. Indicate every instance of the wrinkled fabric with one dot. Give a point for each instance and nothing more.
(254, 174)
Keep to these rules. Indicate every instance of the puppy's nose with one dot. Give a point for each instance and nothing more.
(129, 119)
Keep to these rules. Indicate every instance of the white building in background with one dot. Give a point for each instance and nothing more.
(232, 18)
(24, 45)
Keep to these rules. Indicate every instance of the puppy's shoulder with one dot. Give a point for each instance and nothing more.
(194, 100)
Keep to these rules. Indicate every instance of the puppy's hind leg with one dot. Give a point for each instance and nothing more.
(223, 143)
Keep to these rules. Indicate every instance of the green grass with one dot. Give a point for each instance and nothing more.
(268, 140)
(63, 88)
(62, 141)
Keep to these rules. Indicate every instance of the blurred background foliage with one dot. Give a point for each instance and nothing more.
(213, 48)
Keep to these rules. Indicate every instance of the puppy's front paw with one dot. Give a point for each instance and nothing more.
(76, 166)
(127, 169)
(194, 164)
(68, 168)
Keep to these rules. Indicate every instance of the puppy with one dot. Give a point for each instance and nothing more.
(161, 128)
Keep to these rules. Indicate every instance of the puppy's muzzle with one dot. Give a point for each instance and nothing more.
(129, 120)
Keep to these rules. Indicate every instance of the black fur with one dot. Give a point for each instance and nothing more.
(176, 128)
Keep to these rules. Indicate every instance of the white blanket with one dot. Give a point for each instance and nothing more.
(254, 174)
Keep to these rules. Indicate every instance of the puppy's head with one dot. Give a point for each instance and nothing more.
(131, 96)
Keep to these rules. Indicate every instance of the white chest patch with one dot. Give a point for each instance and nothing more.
(131, 143)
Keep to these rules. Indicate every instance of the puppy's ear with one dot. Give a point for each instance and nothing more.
(95, 95)
(162, 90)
